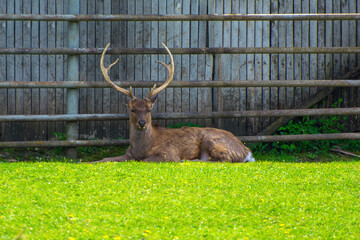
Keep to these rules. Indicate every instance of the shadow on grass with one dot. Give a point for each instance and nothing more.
(88, 154)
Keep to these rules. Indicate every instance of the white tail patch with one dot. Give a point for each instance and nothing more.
(249, 158)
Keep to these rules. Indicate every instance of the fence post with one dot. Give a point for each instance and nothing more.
(72, 97)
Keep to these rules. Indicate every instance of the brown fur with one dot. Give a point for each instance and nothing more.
(157, 144)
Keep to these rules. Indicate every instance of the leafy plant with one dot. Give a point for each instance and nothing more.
(311, 125)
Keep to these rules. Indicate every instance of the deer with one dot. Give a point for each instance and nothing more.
(150, 143)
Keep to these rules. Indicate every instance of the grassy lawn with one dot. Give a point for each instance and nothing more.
(263, 200)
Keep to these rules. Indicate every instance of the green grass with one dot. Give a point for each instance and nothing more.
(263, 200)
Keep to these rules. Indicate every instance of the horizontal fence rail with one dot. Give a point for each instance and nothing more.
(190, 84)
(125, 142)
(190, 17)
(205, 50)
(190, 115)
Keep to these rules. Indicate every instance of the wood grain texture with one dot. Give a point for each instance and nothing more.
(187, 67)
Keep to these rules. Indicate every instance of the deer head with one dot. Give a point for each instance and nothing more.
(139, 108)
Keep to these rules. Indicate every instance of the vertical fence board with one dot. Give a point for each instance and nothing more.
(313, 43)
(227, 94)
(35, 72)
(83, 70)
(242, 38)
(154, 65)
(274, 65)
(251, 92)
(234, 93)
(185, 59)
(27, 66)
(193, 65)
(321, 42)
(44, 103)
(289, 57)
(305, 71)
(3, 77)
(51, 36)
(177, 92)
(91, 69)
(161, 70)
(282, 57)
(266, 62)
(99, 42)
(59, 65)
(258, 39)
(19, 93)
(139, 29)
(170, 35)
(297, 57)
(10, 71)
(204, 68)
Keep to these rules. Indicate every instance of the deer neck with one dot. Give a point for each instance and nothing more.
(141, 140)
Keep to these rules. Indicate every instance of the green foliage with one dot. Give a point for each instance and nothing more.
(180, 125)
(310, 125)
(264, 200)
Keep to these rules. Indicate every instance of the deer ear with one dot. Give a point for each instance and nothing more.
(153, 98)
(126, 100)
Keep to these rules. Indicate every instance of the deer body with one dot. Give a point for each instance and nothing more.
(156, 144)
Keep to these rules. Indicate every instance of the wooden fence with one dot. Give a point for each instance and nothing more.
(238, 51)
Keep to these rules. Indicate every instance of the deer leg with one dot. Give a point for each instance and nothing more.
(164, 157)
(124, 158)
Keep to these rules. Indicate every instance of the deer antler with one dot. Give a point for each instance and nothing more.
(170, 69)
(105, 72)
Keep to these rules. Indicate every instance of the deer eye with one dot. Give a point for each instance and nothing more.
(132, 110)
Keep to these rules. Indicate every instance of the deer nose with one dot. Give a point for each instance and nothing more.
(142, 123)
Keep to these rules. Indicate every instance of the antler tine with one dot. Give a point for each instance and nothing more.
(105, 72)
(170, 68)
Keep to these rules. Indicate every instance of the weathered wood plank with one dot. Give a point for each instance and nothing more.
(3, 76)
(177, 93)
(35, 72)
(91, 72)
(305, 67)
(242, 66)
(51, 36)
(313, 43)
(289, 57)
(193, 64)
(258, 65)
(170, 36)
(59, 75)
(204, 95)
(233, 97)
(251, 92)
(121, 40)
(297, 57)
(99, 96)
(27, 67)
(266, 62)
(44, 101)
(282, 57)
(83, 70)
(155, 69)
(139, 29)
(146, 43)
(321, 42)
(162, 31)
(352, 65)
(106, 91)
(185, 59)
(274, 42)
(228, 94)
